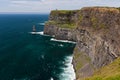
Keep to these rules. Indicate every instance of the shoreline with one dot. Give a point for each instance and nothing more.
(68, 71)
(69, 58)
(68, 61)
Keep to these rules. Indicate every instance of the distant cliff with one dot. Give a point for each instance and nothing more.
(96, 31)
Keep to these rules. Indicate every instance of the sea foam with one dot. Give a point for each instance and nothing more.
(68, 70)
(52, 39)
(42, 24)
(39, 33)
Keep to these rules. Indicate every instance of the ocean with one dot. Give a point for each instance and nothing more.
(27, 56)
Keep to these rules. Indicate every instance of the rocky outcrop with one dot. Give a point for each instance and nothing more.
(63, 16)
(96, 31)
(59, 33)
(61, 25)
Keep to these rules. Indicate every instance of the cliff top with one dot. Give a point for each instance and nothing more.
(102, 9)
(97, 33)
(97, 17)
(64, 12)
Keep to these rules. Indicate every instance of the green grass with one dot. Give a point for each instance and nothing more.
(80, 18)
(109, 72)
(94, 22)
(61, 25)
(64, 12)
(51, 23)
(81, 58)
(118, 8)
(70, 26)
(61, 11)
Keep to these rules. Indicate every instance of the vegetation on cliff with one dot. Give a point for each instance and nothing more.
(81, 59)
(118, 8)
(62, 18)
(60, 25)
(62, 12)
(97, 17)
(109, 72)
(96, 30)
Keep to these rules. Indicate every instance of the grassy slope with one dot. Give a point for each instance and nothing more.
(109, 72)
(65, 25)
(62, 13)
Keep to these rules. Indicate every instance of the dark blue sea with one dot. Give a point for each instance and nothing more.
(26, 56)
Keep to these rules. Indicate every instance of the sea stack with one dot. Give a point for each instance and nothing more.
(34, 28)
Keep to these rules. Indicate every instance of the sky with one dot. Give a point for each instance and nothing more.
(45, 6)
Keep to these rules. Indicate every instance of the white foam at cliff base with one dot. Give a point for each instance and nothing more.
(52, 39)
(40, 33)
(61, 45)
(68, 71)
(41, 24)
(51, 78)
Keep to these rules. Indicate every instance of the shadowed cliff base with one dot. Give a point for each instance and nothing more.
(96, 31)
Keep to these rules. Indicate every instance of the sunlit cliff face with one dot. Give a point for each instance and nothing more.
(96, 31)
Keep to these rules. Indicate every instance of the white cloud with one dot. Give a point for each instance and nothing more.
(18, 2)
(48, 5)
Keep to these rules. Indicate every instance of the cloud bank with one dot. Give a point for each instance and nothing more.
(45, 6)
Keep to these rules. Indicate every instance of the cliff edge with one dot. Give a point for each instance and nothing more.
(96, 31)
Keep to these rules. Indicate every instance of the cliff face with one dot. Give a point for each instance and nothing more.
(96, 31)
(61, 25)
(99, 39)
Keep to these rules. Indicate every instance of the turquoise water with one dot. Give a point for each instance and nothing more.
(24, 56)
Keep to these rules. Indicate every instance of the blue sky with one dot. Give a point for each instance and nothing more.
(45, 6)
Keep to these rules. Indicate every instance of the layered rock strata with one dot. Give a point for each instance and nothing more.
(96, 31)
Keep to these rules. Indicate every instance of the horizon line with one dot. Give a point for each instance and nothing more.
(23, 13)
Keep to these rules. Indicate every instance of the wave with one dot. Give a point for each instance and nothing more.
(51, 78)
(68, 71)
(61, 45)
(52, 39)
(39, 33)
(42, 24)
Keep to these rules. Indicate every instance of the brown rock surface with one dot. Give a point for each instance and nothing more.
(97, 34)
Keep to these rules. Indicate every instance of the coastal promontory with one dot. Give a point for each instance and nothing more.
(96, 31)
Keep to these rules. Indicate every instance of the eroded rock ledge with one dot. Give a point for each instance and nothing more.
(96, 31)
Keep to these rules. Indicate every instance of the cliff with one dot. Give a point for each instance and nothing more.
(96, 31)
(61, 24)
(109, 72)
